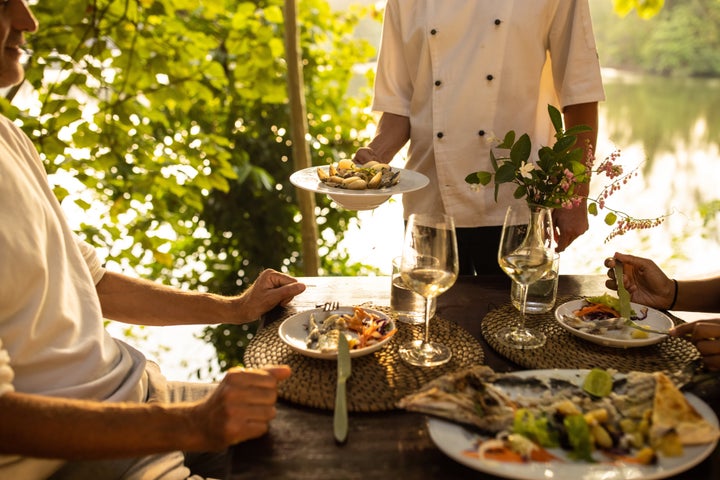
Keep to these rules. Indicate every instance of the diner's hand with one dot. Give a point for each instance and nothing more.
(570, 223)
(239, 409)
(705, 335)
(646, 282)
(271, 288)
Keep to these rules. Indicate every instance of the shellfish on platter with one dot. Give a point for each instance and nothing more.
(348, 175)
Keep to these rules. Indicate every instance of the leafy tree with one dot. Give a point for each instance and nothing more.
(174, 114)
(685, 40)
(644, 8)
(682, 39)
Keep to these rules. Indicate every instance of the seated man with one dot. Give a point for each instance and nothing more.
(75, 402)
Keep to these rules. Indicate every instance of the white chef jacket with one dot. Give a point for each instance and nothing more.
(465, 71)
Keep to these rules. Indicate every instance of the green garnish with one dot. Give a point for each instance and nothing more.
(598, 383)
(579, 437)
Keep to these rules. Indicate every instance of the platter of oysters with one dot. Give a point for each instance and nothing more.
(358, 187)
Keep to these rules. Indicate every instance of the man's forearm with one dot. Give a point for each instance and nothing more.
(143, 302)
(392, 134)
(583, 114)
(700, 295)
(49, 427)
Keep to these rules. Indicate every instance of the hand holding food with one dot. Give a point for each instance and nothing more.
(643, 279)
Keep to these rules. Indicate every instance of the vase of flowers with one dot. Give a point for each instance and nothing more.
(553, 181)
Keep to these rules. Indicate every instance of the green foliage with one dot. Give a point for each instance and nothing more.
(174, 114)
(553, 179)
(644, 8)
(549, 182)
(685, 40)
(681, 38)
(710, 213)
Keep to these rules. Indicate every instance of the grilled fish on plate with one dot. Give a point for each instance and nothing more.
(639, 411)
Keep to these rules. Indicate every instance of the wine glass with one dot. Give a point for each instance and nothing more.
(429, 267)
(525, 254)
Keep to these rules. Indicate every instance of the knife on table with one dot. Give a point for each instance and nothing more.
(340, 418)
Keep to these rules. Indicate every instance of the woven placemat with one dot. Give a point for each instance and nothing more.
(378, 379)
(564, 350)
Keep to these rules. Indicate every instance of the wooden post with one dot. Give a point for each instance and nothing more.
(301, 149)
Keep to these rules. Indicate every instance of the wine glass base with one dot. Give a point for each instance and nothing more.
(424, 354)
(520, 338)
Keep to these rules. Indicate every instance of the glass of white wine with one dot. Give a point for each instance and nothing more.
(525, 255)
(429, 267)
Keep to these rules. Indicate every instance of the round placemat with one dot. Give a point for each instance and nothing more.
(378, 380)
(564, 350)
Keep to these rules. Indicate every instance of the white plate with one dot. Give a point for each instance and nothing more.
(618, 338)
(454, 439)
(408, 181)
(293, 332)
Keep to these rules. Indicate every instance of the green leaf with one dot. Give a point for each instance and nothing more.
(610, 218)
(520, 192)
(472, 179)
(508, 140)
(645, 8)
(520, 151)
(274, 14)
(555, 118)
(506, 173)
(564, 143)
(574, 130)
(493, 160)
(482, 178)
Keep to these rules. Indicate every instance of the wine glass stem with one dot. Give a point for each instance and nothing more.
(427, 320)
(523, 296)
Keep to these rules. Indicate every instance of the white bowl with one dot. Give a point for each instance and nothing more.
(359, 202)
(408, 181)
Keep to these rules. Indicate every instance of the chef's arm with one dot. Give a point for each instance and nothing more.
(393, 132)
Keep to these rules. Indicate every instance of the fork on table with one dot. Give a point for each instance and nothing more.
(330, 306)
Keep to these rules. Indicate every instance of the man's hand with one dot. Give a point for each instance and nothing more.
(571, 223)
(646, 282)
(239, 409)
(705, 335)
(271, 288)
(364, 155)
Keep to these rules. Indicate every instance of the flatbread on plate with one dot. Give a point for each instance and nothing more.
(673, 413)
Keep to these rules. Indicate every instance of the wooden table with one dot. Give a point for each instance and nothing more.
(391, 445)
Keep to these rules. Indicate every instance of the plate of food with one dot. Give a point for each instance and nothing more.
(358, 187)
(540, 424)
(314, 333)
(597, 319)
